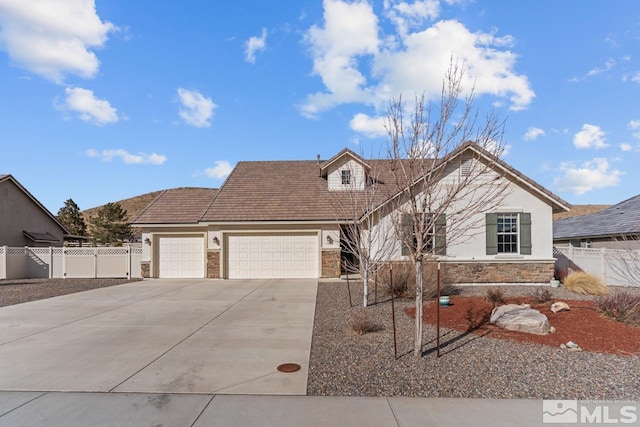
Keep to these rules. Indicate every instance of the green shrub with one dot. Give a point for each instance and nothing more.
(585, 283)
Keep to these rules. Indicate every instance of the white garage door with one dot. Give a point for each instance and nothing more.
(259, 256)
(181, 257)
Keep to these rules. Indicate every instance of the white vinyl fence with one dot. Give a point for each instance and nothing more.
(616, 267)
(70, 262)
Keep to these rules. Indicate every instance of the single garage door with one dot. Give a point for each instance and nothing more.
(181, 257)
(256, 256)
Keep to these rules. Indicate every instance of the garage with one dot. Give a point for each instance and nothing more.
(257, 256)
(181, 257)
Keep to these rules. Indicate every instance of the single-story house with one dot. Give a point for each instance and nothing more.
(278, 219)
(615, 227)
(24, 221)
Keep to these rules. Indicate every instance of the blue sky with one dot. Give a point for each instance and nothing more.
(107, 100)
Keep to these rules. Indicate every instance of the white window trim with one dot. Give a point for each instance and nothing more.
(518, 232)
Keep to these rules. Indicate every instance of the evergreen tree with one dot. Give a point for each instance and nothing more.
(110, 225)
(70, 217)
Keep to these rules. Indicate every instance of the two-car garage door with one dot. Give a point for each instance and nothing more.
(255, 256)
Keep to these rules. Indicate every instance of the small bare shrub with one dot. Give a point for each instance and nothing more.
(621, 306)
(494, 296)
(584, 283)
(361, 323)
(541, 295)
(476, 318)
(404, 282)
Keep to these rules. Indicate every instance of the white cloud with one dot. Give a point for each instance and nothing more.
(626, 147)
(406, 16)
(591, 136)
(608, 65)
(221, 170)
(89, 108)
(636, 77)
(372, 127)
(53, 38)
(634, 125)
(533, 133)
(196, 109)
(126, 157)
(356, 65)
(255, 44)
(589, 176)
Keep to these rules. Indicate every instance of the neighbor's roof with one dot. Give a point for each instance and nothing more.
(295, 190)
(177, 206)
(620, 219)
(38, 237)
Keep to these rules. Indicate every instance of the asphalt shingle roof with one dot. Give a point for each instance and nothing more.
(623, 218)
(177, 206)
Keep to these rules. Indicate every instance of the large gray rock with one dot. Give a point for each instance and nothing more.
(520, 318)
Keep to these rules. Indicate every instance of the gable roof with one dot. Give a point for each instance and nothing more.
(558, 204)
(296, 190)
(6, 177)
(616, 220)
(177, 206)
(344, 153)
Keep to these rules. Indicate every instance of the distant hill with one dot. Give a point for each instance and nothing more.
(578, 210)
(133, 205)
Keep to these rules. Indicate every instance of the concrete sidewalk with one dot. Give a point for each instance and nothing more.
(55, 409)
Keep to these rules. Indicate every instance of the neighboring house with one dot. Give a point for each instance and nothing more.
(24, 221)
(615, 227)
(277, 219)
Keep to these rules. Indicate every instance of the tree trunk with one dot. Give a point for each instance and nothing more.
(417, 350)
(365, 290)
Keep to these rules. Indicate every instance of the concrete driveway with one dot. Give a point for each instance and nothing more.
(162, 336)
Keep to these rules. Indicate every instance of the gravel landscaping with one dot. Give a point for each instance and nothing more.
(17, 291)
(346, 364)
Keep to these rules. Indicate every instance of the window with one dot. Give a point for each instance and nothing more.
(508, 233)
(435, 237)
(346, 177)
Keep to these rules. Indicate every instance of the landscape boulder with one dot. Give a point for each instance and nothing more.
(520, 318)
(559, 306)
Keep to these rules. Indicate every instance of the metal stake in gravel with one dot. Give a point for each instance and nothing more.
(438, 314)
(393, 312)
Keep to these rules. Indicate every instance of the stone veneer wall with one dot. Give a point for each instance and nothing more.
(213, 264)
(145, 269)
(498, 272)
(331, 263)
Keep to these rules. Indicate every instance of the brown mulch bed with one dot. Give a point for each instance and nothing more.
(17, 291)
(583, 324)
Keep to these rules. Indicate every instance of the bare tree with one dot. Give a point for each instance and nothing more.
(442, 188)
(366, 247)
(624, 260)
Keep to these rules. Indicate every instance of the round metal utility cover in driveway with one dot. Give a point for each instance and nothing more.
(181, 257)
(271, 255)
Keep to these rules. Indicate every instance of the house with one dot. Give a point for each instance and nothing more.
(615, 227)
(24, 221)
(278, 219)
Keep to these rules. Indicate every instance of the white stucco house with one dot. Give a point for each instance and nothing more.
(278, 219)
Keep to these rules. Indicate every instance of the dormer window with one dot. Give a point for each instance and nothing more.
(346, 177)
